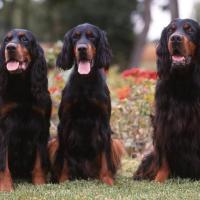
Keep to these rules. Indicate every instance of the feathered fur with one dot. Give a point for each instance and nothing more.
(85, 149)
(25, 108)
(176, 136)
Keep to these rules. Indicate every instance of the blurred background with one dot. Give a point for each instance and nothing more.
(133, 28)
(131, 25)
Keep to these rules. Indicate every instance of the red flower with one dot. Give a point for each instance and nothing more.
(58, 77)
(139, 73)
(124, 92)
(53, 89)
(131, 72)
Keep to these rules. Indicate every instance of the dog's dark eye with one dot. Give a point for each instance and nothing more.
(23, 39)
(76, 35)
(7, 39)
(89, 34)
(187, 28)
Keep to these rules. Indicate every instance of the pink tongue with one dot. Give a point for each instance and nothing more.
(12, 66)
(178, 58)
(84, 67)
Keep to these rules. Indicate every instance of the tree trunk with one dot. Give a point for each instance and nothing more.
(141, 38)
(173, 6)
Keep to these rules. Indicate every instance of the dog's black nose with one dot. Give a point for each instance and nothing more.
(176, 38)
(11, 47)
(81, 47)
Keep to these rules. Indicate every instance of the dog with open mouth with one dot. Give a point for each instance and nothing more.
(176, 135)
(84, 148)
(181, 46)
(17, 57)
(25, 108)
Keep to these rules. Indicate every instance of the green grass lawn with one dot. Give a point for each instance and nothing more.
(124, 188)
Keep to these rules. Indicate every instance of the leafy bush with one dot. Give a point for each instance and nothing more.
(132, 104)
(51, 53)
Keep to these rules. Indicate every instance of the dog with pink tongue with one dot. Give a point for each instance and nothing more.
(84, 148)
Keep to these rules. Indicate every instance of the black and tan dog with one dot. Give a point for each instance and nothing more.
(84, 148)
(176, 124)
(25, 108)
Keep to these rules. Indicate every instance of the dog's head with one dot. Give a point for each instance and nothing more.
(20, 53)
(178, 47)
(19, 49)
(86, 46)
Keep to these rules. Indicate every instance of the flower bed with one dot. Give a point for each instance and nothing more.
(132, 104)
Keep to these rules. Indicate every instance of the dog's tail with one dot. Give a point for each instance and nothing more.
(148, 168)
(118, 150)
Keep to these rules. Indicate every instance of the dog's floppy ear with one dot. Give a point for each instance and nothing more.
(65, 58)
(198, 47)
(3, 73)
(103, 54)
(39, 82)
(2, 57)
(163, 56)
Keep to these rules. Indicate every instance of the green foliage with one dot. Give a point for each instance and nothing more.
(51, 54)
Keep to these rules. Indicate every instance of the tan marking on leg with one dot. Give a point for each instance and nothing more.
(64, 176)
(6, 183)
(105, 175)
(163, 173)
(118, 151)
(38, 174)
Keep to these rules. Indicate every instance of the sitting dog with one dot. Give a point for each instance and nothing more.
(84, 148)
(25, 108)
(176, 137)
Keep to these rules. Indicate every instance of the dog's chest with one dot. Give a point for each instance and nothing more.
(86, 101)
